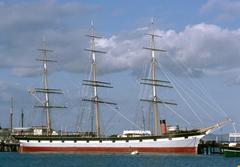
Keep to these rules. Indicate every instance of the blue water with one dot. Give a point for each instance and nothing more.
(77, 160)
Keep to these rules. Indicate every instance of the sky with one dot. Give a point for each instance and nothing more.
(202, 39)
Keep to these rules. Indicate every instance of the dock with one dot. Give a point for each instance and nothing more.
(9, 147)
(7, 142)
(211, 147)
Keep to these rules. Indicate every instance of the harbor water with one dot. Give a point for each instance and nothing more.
(98, 160)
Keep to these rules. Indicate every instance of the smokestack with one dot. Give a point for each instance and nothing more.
(163, 126)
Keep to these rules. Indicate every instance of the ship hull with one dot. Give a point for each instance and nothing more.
(178, 145)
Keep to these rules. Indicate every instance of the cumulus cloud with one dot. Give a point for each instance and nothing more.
(205, 49)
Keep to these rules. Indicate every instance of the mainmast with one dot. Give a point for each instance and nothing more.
(153, 82)
(45, 104)
(45, 83)
(94, 82)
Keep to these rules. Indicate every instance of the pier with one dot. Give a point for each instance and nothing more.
(9, 147)
(211, 147)
(7, 142)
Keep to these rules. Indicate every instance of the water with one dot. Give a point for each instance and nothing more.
(78, 160)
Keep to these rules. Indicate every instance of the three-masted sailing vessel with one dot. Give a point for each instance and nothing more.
(159, 140)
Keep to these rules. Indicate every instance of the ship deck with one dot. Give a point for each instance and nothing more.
(185, 134)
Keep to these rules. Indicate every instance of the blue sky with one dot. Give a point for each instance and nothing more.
(203, 36)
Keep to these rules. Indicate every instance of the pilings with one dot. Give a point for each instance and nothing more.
(9, 146)
(7, 141)
(210, 147)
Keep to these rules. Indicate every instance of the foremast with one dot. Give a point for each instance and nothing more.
(154, 82)
(93, 82)
(45, 104)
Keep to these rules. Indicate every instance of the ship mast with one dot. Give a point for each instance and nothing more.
(45, 84)
(153, 82)
(94, 83)
(45, 104)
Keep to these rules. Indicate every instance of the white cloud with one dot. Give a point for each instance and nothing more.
(204, 49)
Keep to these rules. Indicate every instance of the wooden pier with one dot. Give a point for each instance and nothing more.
(9, 147)
(210, 147)
(7, 142)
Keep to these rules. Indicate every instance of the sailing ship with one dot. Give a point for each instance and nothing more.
(159, 140)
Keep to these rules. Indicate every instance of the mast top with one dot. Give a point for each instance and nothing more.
(44, 46)
(152, 34)
(92, 32)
